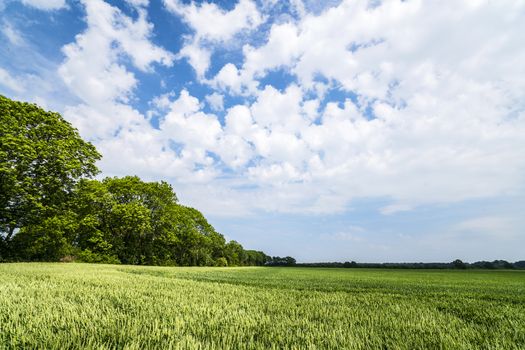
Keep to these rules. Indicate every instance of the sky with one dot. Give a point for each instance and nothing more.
(373, 131)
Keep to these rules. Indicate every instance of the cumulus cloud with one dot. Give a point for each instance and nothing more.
(46, 5)
(215, 101)
(138, 3)
(229, 78)
(212, 25)
(93, 70)
(436, 116)
(210, 22)
(416, 102)
(198, 57)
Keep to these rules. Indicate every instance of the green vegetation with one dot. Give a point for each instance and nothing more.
(456, 264)
(42, 158)
(56, 306)
(51, 209)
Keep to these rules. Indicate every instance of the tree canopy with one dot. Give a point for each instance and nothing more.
(42, 158)
(52, 209)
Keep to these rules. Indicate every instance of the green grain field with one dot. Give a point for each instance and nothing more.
(81, 306)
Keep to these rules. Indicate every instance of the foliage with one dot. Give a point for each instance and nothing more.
(278, 261)
(42, 157)
(126, 220)
(456, 264)
(221, 262)
(77, 306)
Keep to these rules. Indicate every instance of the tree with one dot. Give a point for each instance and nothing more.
(281, 261)
(502, 264)
(136, 222)
(519, 264)
(234, 253)
(42, 158)
(92, 204)
(126, 219)
(199, 242)
(458, 264)
(255, 258)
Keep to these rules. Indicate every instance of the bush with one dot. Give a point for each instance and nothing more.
(221, 262)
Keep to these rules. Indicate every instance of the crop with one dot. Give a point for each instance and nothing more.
(83, 306)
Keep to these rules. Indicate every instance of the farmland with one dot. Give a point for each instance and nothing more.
(88, 306)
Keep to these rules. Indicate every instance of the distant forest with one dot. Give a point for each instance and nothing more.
(51, 208)
(456, 264)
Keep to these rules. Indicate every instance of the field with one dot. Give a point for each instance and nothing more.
(57, 306)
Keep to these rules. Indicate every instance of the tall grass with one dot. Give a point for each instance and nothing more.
(80, 306)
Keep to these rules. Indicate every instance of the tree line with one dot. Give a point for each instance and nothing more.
(456, 264)
(52, 208)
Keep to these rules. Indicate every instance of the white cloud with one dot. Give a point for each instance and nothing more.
(198, 57)
(12, 34)
(139, 3)
(446, 123)
(215, 101)
(46, 5)
(212, 26)
(434, 110)
(281, 49)
(356, 234)
(485, 224)
(93, 72)
(275, 110)
(210, 22)
(494, 226)
(12, 83)
(239, 120)
(234, 151)
(395, 208)
(184, 123)
(103, 120)
(228, 78)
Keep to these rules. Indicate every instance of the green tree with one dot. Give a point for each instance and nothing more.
(234, 253)
(92, 204)
(254, 257)
(141, 223)
(47, 240)
(42, 158)
(200, 244)
(126, 218)
(458, 264)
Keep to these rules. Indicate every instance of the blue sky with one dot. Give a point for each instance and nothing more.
(336, 130)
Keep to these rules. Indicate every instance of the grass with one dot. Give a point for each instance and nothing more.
(81, 306)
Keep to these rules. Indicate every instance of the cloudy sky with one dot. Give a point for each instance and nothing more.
(326, 130)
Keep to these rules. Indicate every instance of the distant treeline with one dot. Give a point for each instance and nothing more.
(456, 264)
(278, 261)
(52, 210)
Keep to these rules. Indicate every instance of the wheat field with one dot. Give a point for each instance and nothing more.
(84, 306)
